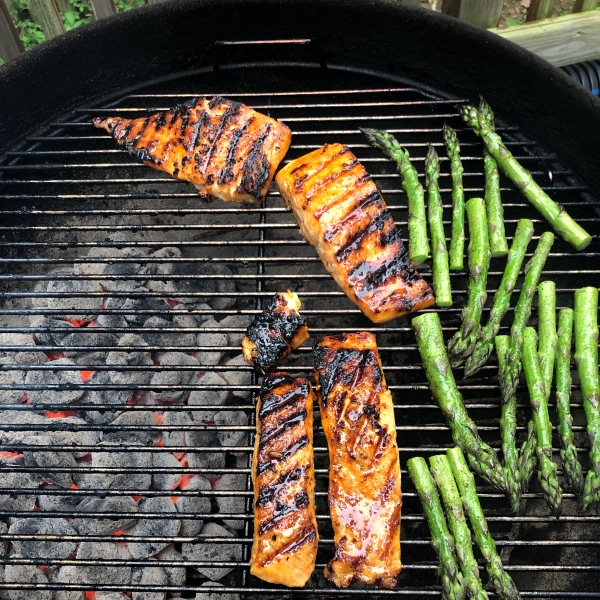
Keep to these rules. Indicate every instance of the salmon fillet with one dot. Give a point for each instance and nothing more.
(275, 332)
(365, 500)
(342, 214)
(226, 149)
(285, 524)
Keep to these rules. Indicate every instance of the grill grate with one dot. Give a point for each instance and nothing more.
(71, 199)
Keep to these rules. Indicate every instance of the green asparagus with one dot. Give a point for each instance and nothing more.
(548, 339)
(508, 431)
(453, 585)
(533, 270)
(586, 357)
(554, 213)
(462, 343)
(457, 241)
(528, 457)
(442, 474)
(568, 451)
(502, 581)
(493, 202)
(482, 458)
(418, 245)
(441, 270)
(541, 419)
(485, 338)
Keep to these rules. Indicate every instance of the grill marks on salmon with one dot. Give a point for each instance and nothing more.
(275, 332)
(285, 525)
(364, 474)
(226, 149)
(342, 214)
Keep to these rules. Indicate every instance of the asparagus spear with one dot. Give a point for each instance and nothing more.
(568, 452)
(418, 245)
(541, 419)
(442, 474)
(548, 339)
(482, 458)
(441, 271)
(462, 343)
(554, 213)
(457, 242)
(493, 202)
(586, 357)
(528, 457)
(453, 585)
(485, 338)
(508, 432)
(503, 583)
(533, 270)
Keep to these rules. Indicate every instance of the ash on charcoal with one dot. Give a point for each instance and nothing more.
(16, 378)
(3, 543)
(27, 418)
(55, 503)
(110, 596)
(168, 338)
(98, 574)
(64, 378)
(238, 321)
(10, 500)
(151, 576)
(206, 460)
(26, 574)
(135, 419)
(49, 458)
(90, 339)
(166, 481)
(84, 307)
(213, 552)
(216, 397)
(82, 437)
(205, 437)
(23, 356)
(175, 575)
(110, 504)
(231, 504)
(132, 358)
(52, 337)
(68, 594)
(104, 398)
(124, 460)
(110, 321)
(175, 419)
(215, 595)
(170, 379)
(183, 320)
(200, 318)
(187, 283)
(194, 505)
(149, 304)
(212, 339)
(162, 527)
(43, 548)
(238, 377)
(231, 418)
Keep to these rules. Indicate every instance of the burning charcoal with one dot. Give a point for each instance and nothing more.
(238, 321)
(231, 504)
(65, 378)
(16, 378)
(110, 596)
(168, 338)
(184, 320)
(175, 419)
(26, 418)
(170, 378)
(148, 576)
(49, 458)
(57, 503)
(42, 548)
(90, 339)
(98, 574)
(163, 527)
(193, 504)
(239, 375)
(209, 552)
(23, 356)
(110, 321)
(83, 437)
(3, 543)
(215, 595)
(202, 437)
(67, 594)
(10, 482)
(166, 481)
(210, 339)
(224, 286)
(210, 397)
(232, 418)
(83, 308)
(206, 460)
(187, 282)
(150, 304)
(110, 504)
(135, 419)
(201, 318)
(175, 575)
(134, 358)
(53, 337)
(26, 574)
(104, 398)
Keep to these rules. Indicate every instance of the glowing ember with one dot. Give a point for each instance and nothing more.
(90, 595)
(160, 442)
(7, 454)
(85, 375)
(61, 414)
(185, 480)
(73, 487)
(172, 303)
(75, 322)
(158, 417)
(44, 569)
(55, 355)
(137, 498)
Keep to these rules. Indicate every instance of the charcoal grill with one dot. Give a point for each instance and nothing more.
(71, 199)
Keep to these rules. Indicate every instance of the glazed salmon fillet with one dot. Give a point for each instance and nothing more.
(226, 149)
(365, 500)
(342, 214)
(285, 524)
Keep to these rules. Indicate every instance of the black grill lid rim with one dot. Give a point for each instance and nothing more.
(129, 49)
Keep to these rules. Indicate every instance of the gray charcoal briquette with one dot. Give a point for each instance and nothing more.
(234, 503)
(215, 595)
(168, 338)
(66, 378)
(131, 358)
(238, 321)
(173, 418)
(166, 481)
(239, 376)
(137, 420)
(49, 458)
(194, 505)
(14, 378)
(82, 307)
(210, 339)
(110, 504)
(103, 398)
(170, 378)
(206, 460)
(151, 576)
(29, 574)
(176, 576)
(43, 548)
(232, 437)
(122, 459)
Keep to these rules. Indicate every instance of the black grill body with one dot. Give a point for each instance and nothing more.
(72, 200)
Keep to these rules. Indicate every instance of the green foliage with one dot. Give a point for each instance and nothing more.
(30, 32)
(511, 22)
(123, 5)
(80, 14)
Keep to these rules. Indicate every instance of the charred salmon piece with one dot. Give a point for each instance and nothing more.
(285, 523)
(275, 332)
(226, 149)
(365, 500)
(342, 214)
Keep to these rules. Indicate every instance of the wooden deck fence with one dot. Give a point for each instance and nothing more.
(561, 40)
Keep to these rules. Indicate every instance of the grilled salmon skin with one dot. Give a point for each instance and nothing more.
(285, 524)
(275, 332)
(342, 214)
(226, 149)
(364, 474)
